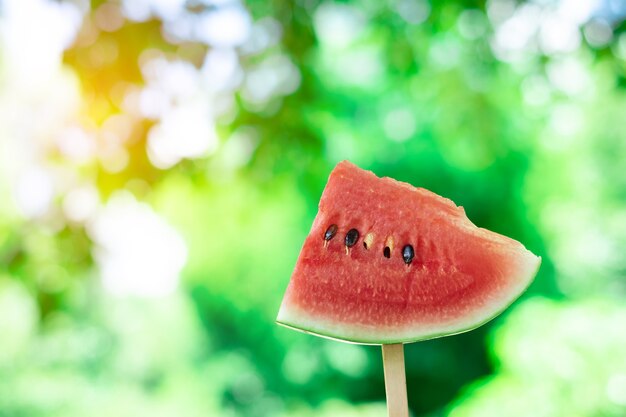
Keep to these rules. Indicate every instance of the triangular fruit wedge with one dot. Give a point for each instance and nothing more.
(386, 262)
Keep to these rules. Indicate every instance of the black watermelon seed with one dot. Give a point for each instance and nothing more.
(408, 254)
(351, 237)
(387, 252)
(330, 232)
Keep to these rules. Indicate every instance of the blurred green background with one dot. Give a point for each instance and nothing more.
(161, 162)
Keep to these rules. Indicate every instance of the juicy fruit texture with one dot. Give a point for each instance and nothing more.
(386, 262)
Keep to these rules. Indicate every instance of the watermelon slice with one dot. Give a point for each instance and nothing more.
(386, 262)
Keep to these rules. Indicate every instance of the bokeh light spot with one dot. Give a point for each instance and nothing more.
(616, 389)
(399, 124)
(338, 25)
(137, 252)
(34, 192)
(184, 132)
(18, 319)
(224, 27)
(81, 203)
(300, 364)
(472, 24)
(274, 76)
(346, 358)
(108, 17)
(76, 144)
(412, 11)
(558, 35)
(598, 33)
(221, 70)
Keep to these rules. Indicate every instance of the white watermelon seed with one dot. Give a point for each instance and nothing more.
(368, 240)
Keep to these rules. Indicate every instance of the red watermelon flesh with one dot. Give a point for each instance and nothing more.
(460, 277)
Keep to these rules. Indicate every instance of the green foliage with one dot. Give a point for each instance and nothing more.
(554, 358)
(141, 272)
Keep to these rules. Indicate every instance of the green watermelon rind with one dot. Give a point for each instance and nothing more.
(452, 332)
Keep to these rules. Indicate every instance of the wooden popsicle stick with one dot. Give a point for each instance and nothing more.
(395, 380)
